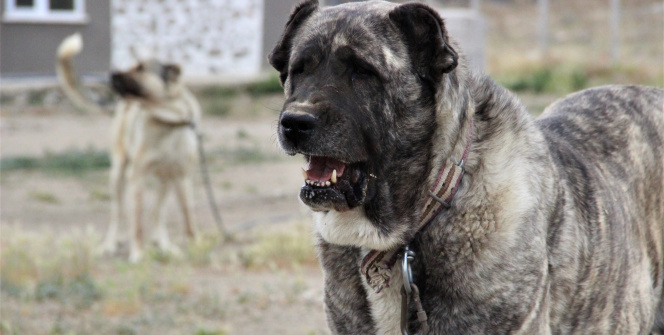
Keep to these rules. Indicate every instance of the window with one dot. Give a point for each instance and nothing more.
(51, 11)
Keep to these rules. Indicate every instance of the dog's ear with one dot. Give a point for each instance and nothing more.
(171, 72)
(280, 55)
(427, 40)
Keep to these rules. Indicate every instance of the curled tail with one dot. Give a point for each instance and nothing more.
(70, 47)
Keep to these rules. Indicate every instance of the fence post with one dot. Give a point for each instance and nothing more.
(615, 31)
(475, 5)
(543, 9)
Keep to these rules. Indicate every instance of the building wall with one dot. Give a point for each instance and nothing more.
(29, 48)
(276, 15)
(209, 38)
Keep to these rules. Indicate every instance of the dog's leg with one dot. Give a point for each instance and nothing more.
(117, 187)
(347, 307)
(136, 227)
(183, 192)
(162, 239)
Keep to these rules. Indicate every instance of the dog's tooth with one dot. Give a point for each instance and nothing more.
(334, 176)
(327, 183)
(304, 173)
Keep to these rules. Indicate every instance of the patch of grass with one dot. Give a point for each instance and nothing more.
(224, 100)
(18, 267)
(218, 92)
(45, 197)
(271, 85)
(36, 98)
(561, 78)
(200, 252)
(203, 331)
(100, 195)
(538, 81)
(246, 154)
(7, 328)
(81, 291)
(6, 99)
(70, 161)
(42, 267)
(242, 134)
(217, 106)
(126, 330)
(211, 306)
(290, 247)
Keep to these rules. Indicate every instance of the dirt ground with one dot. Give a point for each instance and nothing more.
(265, 280)
(231, 291)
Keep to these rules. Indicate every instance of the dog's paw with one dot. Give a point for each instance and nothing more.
(169, 248)
(107, 249)
(135, 256)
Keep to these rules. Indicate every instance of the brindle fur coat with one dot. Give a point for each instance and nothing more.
(558, 224)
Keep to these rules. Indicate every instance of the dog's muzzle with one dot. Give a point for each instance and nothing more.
(297, 127)
(330, 182)
(125, 86)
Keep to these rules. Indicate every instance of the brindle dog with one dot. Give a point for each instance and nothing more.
(555, 228)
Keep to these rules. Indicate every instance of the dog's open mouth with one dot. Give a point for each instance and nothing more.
(333, 184)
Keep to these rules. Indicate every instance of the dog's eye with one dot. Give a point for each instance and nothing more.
(298, 68)
(361, 71)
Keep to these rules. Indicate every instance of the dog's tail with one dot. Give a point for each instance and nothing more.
(70, 47)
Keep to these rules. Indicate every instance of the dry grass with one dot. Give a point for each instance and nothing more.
(283, 248)
(41, 266)
(579, 43)
(55, 284)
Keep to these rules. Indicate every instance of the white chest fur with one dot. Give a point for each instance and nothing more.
(353, 228)
(386, 305)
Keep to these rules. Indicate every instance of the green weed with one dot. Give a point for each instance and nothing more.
(36, 98)
(99, 195)
(217, 106)
(45, 197)
(561, 78)
(202, 331)
(43, 267)
(271, 85)
(70, 161)
(200, 252)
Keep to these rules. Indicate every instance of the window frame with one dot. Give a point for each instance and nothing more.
(41, 13)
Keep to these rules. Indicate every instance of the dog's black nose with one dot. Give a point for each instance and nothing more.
(297, 126)
(125, 85)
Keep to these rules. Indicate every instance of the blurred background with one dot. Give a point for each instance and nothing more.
(54, 165)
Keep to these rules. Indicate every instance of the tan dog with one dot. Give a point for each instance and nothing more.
(153, 136)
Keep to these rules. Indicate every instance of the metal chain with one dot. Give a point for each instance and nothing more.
(208, 185)
(408, 290)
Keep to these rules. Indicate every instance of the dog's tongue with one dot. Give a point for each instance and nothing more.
(320, 168)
